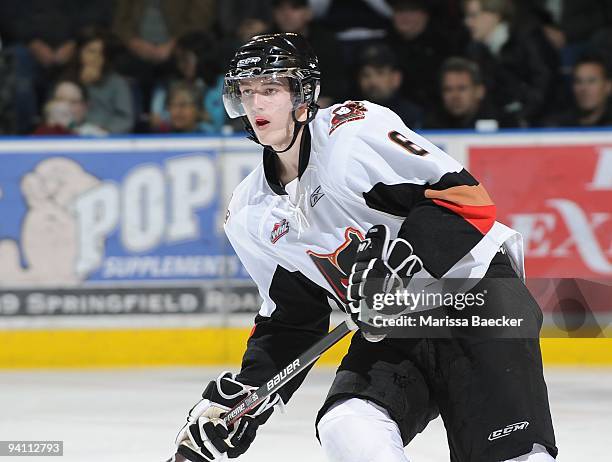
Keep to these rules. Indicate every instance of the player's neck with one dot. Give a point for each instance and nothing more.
(287, 163)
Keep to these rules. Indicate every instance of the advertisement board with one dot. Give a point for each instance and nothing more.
(112, 250)
(559, 198)
(147, 213)
(92, 228)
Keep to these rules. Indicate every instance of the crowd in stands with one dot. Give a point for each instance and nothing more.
(99, 67)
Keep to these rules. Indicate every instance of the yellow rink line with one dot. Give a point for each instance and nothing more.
(202, 346)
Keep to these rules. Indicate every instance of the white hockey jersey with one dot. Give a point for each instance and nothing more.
(359, 166)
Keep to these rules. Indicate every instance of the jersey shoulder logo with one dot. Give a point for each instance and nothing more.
(352, 110)
(279, 230)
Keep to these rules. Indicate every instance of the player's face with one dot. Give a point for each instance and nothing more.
(591, 88)
(460, 95)
(268, 105)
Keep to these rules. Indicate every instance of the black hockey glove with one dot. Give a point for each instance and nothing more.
(382, 265)
(205, 437)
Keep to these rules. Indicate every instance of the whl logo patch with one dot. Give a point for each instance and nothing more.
(507, 430)
(279, 230)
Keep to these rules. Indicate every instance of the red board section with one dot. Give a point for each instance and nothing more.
(559, 198)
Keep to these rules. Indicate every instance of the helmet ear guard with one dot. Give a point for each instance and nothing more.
(317, 90)
(311, 88)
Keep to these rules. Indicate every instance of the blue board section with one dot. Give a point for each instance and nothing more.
(82, 217)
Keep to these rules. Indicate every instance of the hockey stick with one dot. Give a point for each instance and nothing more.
(281, 379)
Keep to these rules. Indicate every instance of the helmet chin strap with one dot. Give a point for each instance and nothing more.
(312, 109)
(296, 130)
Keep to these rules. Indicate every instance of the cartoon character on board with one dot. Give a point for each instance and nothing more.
(49, 232)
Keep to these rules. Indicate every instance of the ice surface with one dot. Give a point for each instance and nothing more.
(133, 415)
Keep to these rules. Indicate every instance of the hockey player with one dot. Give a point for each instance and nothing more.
(330, 179)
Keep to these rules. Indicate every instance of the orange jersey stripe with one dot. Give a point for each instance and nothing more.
(462, 195)
(482, 217)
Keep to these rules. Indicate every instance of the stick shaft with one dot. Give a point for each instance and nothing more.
(287, 374)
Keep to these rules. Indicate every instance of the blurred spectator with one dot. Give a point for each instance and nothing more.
(184, 108)
(110, 99)
(249, 27)
(421, 45)
(380, 80)
(232, 13)
(569, 24)
(75, 94)
(150, 28)
(355, 23)
(448, 15)
(56, 119)
(197, 64)
(8, 15)
(54, 22)
(50, 30)
(464, 101)
(579, 19)
(354, 19)
(601, 40)
(7, 90)
(592, 87)
(39, 35)
(510, 59)
(66, 110)
(296, 16)
(450, 12)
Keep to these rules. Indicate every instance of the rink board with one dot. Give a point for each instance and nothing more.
(566, 229)
(204, 346)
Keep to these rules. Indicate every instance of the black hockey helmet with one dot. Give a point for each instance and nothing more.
(274, 56)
